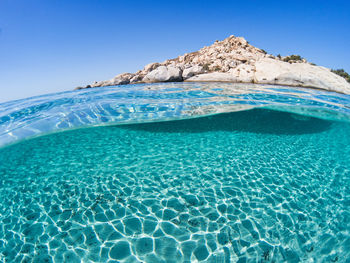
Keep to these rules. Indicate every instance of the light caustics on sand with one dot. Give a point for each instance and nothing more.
(158, 102)
(256, 183)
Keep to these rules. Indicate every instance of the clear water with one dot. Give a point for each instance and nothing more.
(260, 185)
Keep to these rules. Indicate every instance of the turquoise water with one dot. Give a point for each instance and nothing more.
(260, 185)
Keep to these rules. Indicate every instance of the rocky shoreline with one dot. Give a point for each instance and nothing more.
(234, 60)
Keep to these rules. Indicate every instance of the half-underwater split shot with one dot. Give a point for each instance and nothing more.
(230, 153)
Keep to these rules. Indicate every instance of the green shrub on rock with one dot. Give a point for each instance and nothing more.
(342, 73)
(292, 58)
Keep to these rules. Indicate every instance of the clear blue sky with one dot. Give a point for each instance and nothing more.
(55, 45)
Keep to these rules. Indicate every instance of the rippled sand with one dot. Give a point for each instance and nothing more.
(253, 186)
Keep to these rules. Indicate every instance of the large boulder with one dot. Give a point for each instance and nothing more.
(151, 66)
(192, 71)
(272, 71)
(164, 74)
(121, 79)
(244, 73)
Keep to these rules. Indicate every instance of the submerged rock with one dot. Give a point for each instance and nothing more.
(235, 60)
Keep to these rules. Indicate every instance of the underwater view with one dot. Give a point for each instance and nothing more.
(176, 172)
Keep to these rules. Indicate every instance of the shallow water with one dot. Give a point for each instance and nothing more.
(250, 186)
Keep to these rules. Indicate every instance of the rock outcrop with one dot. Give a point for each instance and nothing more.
(164, 74)
(235, 60)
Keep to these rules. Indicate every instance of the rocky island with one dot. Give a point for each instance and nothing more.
(234, 60)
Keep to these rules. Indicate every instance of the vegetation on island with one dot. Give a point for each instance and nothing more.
(342, 73)
(292, 58)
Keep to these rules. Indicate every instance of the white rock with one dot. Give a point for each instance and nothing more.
(164, 74)
(244, 73)
(272, 71)
(151, 66)
(191, 71)
(122, 79)
(214, 76)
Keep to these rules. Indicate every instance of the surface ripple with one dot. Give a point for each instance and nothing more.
(158, 102)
